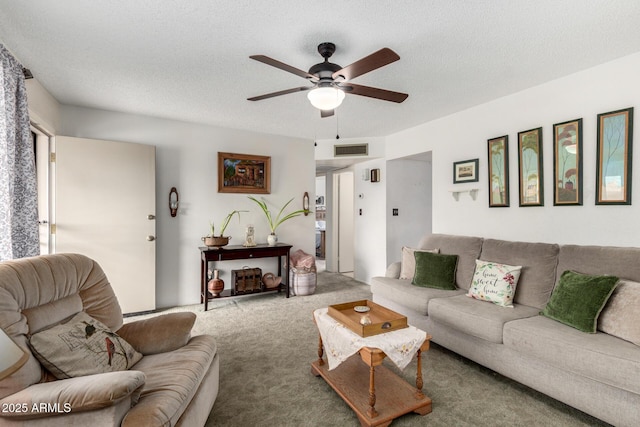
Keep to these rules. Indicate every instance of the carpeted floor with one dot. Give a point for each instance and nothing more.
(267, 342)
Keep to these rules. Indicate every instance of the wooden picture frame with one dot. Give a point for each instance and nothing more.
(465, 171)
(244, 173)
(567, 163)
(613, 169)
(530, 170)
(498, 153)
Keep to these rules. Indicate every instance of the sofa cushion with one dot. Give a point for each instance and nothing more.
(599, 356)
(495, 282)
(538, 261)
(82, 346)
(614, 261)
(172, 380)
(579, 298)
(621, 315)
(476, 318)
(466, 247)
(402, 292)
(408, 265)
(435, 270)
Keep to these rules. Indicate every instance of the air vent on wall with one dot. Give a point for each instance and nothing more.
(351, 150)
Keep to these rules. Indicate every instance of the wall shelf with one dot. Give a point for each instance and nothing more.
(473, 193)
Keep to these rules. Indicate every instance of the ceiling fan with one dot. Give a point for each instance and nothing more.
(331, 81)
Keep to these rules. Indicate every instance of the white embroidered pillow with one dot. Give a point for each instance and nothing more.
(408, 265)
(82, 346)
(494, 282)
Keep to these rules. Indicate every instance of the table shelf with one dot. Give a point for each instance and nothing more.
(234, 252)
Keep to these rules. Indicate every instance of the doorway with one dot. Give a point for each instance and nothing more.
(104, 207)
(345, 219)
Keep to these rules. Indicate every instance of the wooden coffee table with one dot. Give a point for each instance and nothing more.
(374, 392)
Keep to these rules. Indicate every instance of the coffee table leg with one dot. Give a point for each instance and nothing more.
(371, 412)
(419, 394)
(320, 351)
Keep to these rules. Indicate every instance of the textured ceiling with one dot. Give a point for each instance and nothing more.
(189, 60)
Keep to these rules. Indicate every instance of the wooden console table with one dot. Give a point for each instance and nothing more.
(227, 253)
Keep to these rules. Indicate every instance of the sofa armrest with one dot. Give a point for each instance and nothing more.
(159, 334)
(77, 394)
(393, 271)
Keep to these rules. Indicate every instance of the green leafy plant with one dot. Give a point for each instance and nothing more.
(225, 223)
(274, 223)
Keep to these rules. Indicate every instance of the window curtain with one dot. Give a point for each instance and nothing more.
(19, 236)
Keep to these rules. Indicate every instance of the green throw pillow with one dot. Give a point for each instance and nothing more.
(578, 300)
(435, 270)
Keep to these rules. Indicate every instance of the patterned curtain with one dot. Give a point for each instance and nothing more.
(18, 190)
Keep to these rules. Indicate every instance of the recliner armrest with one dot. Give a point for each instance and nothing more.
(159, 334)
(70, 395)
(393, 271)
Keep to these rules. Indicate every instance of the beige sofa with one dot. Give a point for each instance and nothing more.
(596, 373)
(175, 382)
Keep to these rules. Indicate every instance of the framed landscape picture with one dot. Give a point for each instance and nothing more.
(567, 163)
(498, 149)
(613, 170)
(465, 171)
(530, 176)
(244, 173)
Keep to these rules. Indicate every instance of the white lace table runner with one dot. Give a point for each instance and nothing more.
(341, 342)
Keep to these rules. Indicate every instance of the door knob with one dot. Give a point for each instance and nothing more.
(151, 238)
(151, 216)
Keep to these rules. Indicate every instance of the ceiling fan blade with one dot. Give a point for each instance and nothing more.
(374, 92)
(281, 92)
(326, 113)
(285, 67)
(372, 62)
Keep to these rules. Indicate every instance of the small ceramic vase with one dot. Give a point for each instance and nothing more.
(216, 285)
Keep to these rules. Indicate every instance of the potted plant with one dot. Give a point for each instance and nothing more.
(274, 223)
(212, 240)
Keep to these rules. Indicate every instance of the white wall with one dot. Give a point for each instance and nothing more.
(464, 135)
(186, 158)
(370, 227)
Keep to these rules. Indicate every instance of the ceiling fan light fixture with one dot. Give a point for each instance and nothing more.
(326, 98)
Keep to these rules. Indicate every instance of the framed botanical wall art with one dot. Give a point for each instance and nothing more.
(498, 149)
(613, 170)
(465, 171)
(530, 176)
(567, 163)
(244, 173)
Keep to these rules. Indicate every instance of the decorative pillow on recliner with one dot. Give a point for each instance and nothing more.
(495, 282)
(435, 270)
(408, 265)
(578, 299)
(82, 346)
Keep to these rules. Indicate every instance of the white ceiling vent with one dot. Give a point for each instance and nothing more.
(350, 150)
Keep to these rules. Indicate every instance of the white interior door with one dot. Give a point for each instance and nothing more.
(346, 220)
(104, 202)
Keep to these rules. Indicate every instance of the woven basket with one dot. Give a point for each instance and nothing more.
(303, 281)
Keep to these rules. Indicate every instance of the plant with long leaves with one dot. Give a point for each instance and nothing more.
(225, 223)
(274, 223)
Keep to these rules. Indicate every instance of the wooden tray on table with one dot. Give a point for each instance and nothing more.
(382, 319)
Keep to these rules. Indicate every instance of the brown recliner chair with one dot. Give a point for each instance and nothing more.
(175, 382)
